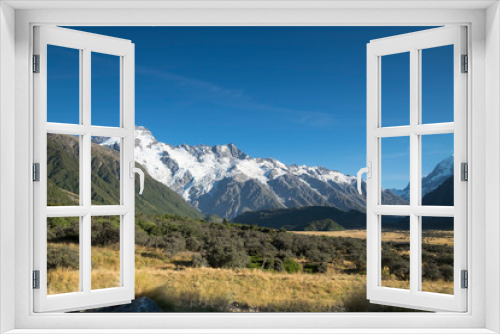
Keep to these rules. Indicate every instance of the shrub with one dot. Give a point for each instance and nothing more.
(220, 255)
(105, 231)
(279, 265)
(62, 257)
(198, 261)
(322, 268)
(141, 237)
(431, 272)
(193, 244)
(311, 268)
(292, 266)
(173, 245)
(314, 255)
(65, 229)
(447, 272)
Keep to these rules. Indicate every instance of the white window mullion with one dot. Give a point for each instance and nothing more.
(433, 129)
(86, 172)
(393, 131)
(85, 186)
(86, 255)
(419, 210)
(420, 129)
(415, 258)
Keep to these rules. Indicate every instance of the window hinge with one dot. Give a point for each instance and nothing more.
(36, 279)
(464, 171)
(36, 63)
(465, 279)
(465, 64)
(36, 172)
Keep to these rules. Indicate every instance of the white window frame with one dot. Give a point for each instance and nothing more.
(86, 44)
(482, 19)
(414, 44)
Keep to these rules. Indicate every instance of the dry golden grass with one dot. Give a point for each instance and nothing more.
(105, 271)
(62, 280)
(439, 286)
(177, 287)
(428, 237)
(105, 267)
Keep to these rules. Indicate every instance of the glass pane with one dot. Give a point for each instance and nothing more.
(437, 84)
(105, 90)
(395, 90)
(395, 170)
(63, 85)
(105, 252)
(437, 254)
(395, 258)
(63, 170)
(63, 255)
(437, 169)
(105, 171)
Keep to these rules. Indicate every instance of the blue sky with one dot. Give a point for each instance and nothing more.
(297, 94)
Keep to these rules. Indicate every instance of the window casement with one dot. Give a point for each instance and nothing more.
(416, 44)
(85, 295)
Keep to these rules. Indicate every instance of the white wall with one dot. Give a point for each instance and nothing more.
(7, 160)
(492, 164)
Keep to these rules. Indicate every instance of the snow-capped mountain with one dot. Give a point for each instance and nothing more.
(432, 181)
(224, 180)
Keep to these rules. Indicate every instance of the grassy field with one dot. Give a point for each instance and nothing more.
(428, 237)
(178, 287)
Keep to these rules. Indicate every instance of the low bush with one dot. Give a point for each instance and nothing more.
(62, 256)
(292, 266)
(228, 245)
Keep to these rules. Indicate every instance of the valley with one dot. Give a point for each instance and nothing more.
(304, 254)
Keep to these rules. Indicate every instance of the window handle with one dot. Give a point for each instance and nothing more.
(134, 170)
(368, 171)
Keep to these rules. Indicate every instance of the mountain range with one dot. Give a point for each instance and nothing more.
(431, 181)
(224, 180)
(63, 188)
(320, 218)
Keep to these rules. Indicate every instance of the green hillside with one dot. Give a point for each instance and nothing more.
(300, 219)
(63, 180)
(323, 225)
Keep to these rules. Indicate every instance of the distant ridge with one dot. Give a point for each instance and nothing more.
(300, 219)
